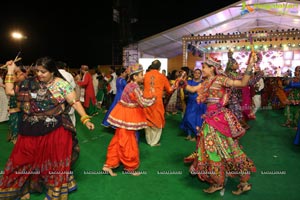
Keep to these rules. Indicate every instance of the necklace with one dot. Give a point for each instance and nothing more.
(42, 91)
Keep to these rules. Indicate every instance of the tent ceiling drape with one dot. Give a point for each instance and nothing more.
(263, 14)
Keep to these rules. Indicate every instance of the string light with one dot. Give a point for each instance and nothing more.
(260, 38)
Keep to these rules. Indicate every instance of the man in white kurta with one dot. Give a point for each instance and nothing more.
(68, 76)
(257, 97)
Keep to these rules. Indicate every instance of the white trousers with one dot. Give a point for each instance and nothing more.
(256, 103)
(153, 135)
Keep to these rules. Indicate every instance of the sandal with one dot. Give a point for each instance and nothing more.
(190, 158)
(242, 187)
(212, 189)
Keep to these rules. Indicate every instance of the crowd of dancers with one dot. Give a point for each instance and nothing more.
(215, 103)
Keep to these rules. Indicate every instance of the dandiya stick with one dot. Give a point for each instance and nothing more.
(16, 60)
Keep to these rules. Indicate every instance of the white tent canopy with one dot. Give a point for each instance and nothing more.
(264, 14)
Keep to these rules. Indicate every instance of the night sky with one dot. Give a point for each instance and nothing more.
(81, 33)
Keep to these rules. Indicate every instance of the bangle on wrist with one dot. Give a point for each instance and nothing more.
(84, 118)
(9, 79)
(86, 121)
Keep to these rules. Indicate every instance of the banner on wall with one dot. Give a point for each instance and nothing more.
(271, 60)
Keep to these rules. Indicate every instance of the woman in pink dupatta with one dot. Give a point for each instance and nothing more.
(218, 152)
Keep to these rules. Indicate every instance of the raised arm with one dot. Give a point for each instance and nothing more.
(247, 75)
(10, 78)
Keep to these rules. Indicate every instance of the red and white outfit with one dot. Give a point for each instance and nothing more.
(128, 116)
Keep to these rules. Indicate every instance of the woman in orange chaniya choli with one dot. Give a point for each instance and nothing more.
(218, 152)
(128, 116)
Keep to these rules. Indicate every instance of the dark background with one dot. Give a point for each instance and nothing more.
(84, 32)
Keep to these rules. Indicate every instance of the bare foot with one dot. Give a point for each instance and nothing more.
(26, 196)
(242, 187)
(109, 170)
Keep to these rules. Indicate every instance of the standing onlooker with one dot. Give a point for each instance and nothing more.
(154, 85)
(79, 90)
(102, 91)
(258, 87)
(89, 96)
(95, 81)
(128, 116)
(121, 83)
(112, 80)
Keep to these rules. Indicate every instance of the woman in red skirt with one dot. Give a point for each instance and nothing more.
(46, 144)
